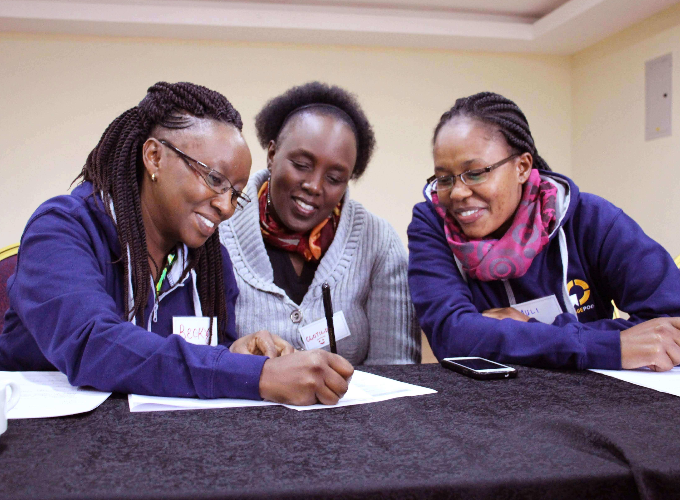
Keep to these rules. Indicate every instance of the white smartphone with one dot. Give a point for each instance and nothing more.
(479, 368)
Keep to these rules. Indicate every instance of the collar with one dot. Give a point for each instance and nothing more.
(242, 237)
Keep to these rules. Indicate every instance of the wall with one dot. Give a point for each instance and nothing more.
(59, 93)
(610, 155)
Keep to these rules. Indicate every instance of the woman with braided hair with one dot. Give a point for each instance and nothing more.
(509, 261)
(105, 273)
(303, 230)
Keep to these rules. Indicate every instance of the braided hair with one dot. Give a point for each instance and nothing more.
(498, 111)
(321, 98)
(115, 169)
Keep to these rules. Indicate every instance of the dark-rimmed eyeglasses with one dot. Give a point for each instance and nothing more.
(445, 183)
(213, 179)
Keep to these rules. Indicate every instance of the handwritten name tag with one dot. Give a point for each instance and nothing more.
(544, 310)
(315, 335)
(194, 329)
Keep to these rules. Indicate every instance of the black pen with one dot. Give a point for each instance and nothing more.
(328, 309)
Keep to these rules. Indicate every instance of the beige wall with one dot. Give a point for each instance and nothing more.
(610, 155)
(59, 94)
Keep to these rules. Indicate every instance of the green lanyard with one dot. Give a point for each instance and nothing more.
(168, 265)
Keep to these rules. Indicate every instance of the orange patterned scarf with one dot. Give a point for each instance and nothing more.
(311, 245)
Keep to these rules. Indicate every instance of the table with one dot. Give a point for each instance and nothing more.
(546, 434)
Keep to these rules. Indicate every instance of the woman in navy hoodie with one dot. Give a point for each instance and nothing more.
(105, 272)
(509, 261)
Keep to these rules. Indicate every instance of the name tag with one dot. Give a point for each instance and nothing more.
(544, 310)
(315, 335)
(194, 329)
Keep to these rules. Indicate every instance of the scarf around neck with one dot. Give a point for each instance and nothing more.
(511, 255)
(311, 245)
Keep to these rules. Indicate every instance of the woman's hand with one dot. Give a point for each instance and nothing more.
(505, 313)
(654, 343)
(305, 377)
(262, 343)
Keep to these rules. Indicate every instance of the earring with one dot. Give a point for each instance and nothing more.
(153, 178)
(269, 190)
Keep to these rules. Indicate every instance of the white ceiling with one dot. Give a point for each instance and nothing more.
(538, 26)
(525, 8)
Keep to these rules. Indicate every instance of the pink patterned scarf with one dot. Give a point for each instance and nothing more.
(512, 254)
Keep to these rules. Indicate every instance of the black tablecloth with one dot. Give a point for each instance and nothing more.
(546, 434)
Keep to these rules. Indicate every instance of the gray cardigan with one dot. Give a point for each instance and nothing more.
(365, 266)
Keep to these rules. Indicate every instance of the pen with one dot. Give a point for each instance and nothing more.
(328, 309)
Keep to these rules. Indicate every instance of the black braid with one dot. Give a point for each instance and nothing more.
(501, 112)
(115, 169)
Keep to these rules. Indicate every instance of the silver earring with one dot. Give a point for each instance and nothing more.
(153, 178)
(269, 190)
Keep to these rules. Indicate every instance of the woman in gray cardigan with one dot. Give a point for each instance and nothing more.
(303, 230)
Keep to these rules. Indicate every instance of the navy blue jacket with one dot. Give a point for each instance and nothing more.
(609, 258)
(67, 312)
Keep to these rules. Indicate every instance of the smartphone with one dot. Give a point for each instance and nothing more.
(479, 368)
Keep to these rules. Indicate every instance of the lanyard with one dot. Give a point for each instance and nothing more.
(168, 265)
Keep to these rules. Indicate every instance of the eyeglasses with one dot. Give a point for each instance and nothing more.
(213, 179)
(470, 178)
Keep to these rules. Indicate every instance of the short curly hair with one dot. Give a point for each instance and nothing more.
(329, 99)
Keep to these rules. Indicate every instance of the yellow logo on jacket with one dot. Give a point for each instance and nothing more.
(579, 304)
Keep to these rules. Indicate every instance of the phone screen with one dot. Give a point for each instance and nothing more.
(479, 364)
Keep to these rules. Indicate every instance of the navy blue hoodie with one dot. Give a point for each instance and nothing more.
(67, 312)
(607, 256)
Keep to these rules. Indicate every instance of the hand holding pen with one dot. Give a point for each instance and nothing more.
(306, 377)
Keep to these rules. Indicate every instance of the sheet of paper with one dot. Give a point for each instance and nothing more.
(668, 382)
(363, 388)
(157, 403)
(354, 396)
(49, 394)
(369, 388)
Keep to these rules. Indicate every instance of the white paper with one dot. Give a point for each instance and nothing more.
(49, 394)
(369, 388)
(668, 382)
(315, 335)
(194, 329)
(545, 309)
(363, 388)
(156, 403)
(355, 395)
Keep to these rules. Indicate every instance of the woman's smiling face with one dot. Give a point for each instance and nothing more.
(483, 210)
(310, 163)
(179, 206)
